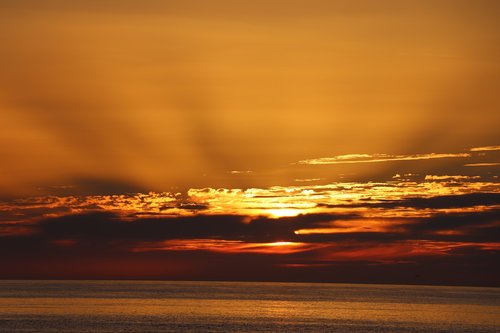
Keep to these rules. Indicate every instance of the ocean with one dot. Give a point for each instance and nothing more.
(152, 306)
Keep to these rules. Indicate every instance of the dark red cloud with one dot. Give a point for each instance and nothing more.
(458, 248)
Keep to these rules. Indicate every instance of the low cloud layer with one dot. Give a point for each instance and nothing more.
(465, 241)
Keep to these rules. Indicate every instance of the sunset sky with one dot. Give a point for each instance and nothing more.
(290, 140)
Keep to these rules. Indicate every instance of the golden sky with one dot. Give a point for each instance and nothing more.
(380, 114)
(161, 94)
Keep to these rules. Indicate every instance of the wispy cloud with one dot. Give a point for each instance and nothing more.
(448, 177)
(240, 172)
(306, 180)
(226, 246)
(485, 148)
(374, 158)
(482, 164)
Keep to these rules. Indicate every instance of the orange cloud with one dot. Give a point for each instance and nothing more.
(226, 246)
(276, 201)
(448, 177)
(374, 158)
(485, 148)
(354, 226)
(487, 164)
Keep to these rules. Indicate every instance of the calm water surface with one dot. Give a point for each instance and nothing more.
(141, 306)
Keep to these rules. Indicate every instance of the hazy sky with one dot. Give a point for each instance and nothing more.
(370, 126)
(151, 95)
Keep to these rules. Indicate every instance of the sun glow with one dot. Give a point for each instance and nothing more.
(284, 212)
(281, 244)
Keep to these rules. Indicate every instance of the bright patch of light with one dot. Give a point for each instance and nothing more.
(281, 244)
(284, 212)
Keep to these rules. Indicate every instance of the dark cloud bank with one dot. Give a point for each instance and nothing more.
(101, 245)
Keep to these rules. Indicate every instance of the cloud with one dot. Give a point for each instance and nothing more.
(192, 206)
(240, 172)
(488, 164)
(227, 246)
(485, 148)
(448, 177)
(105, 245)
(374, 158)
(394, 198)
(307, 180)
(435, 202)
(108, 228)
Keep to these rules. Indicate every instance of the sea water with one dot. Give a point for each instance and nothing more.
(151, 306)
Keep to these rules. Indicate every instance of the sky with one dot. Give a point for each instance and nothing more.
(319, 141)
